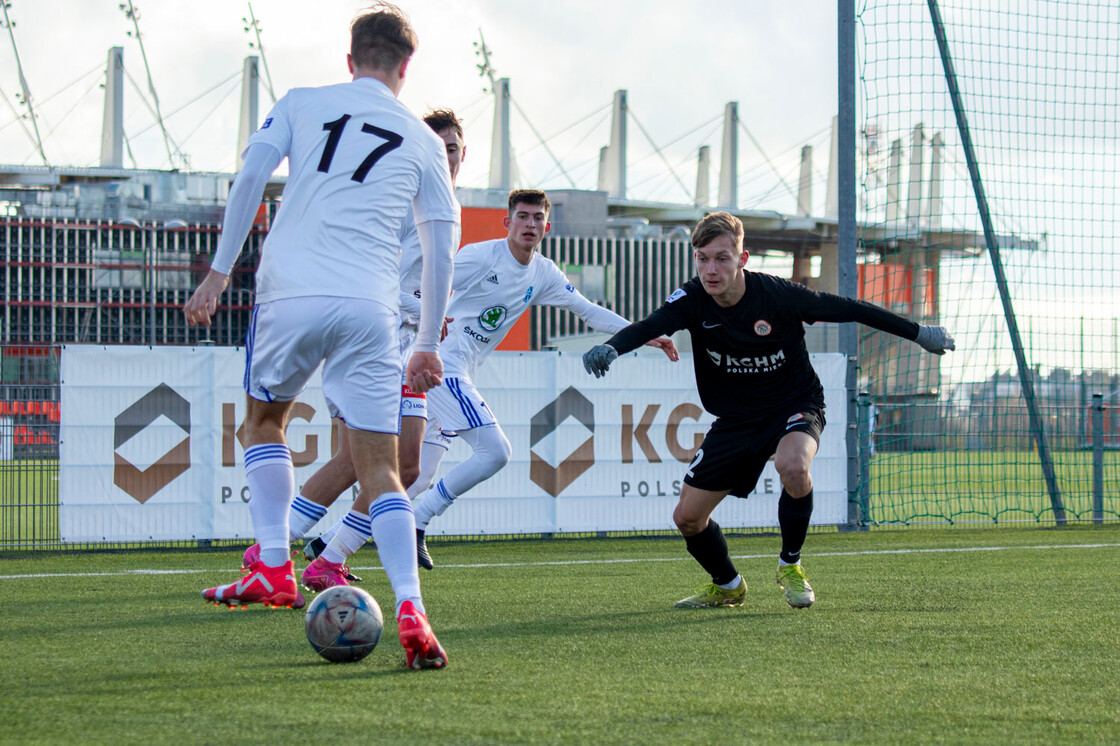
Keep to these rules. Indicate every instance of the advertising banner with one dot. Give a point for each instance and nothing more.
(152, 446)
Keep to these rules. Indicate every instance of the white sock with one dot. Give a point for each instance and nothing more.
(271, 480)
(430, 456)
(394, 530)
(303, 515)
(732, 585)
(328, 535)
(432, 503)
(349, 535)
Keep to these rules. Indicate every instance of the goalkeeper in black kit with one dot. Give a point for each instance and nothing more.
(753, 374)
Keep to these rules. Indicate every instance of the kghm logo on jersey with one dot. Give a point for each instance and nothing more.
(747, 363)
(492, 318)
(762, 327)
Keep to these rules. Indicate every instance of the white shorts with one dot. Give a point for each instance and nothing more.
(412, 404)
(435, 436)
(355, 339)
(458, 406)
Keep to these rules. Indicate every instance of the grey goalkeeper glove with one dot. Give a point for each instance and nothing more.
(598, 359)
(934, 339)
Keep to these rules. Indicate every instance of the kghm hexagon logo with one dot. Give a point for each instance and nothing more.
(554, 479)
(162, 402)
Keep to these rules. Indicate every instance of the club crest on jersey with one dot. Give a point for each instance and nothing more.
(762, 327)
(492, 318)
(677, 295)
(529, 294)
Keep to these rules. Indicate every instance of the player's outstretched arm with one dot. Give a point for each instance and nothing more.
(598, 359)
(935, 339)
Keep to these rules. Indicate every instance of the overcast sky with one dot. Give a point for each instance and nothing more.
(681, 63)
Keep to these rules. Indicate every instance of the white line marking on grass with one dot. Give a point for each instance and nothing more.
(484, 565)
(115, 573)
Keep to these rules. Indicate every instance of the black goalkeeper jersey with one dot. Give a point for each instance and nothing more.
(751, 359)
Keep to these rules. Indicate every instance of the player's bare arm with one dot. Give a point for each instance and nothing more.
(203, 302)
(667, 346)
(424, 371)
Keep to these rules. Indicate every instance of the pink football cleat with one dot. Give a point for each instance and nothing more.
(421, 647)
(251, 557)
(274, 587)
(321, 575)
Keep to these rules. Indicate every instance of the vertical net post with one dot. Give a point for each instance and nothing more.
(847, 285)
(865, 425)
(1098, 458)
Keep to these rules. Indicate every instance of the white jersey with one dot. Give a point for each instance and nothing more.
(359, 163)
(491, 290)
(411, 265)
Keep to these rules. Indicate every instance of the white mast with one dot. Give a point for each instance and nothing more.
(26, 95)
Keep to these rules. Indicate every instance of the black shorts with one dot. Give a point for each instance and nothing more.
(733, 454)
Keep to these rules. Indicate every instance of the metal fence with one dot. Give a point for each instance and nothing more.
(101, 282)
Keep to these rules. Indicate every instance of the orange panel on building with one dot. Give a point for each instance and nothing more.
(483, 224)
(886, 284)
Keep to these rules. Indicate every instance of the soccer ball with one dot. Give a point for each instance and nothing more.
(344, 624)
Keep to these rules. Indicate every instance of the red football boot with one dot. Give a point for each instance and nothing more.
(260, 584)
(421, 647)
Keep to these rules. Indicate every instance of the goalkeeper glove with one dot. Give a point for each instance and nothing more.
(934, 339)
(598, 359)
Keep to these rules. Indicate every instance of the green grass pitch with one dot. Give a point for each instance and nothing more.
(937, 487)
(919, 636)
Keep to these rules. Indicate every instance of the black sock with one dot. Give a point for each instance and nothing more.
(793, 517)
(709, 548)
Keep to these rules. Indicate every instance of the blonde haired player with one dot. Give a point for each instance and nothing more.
(753, 373)
(328, 552)
(359, 160)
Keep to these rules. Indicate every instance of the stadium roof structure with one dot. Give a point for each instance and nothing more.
(912, 219)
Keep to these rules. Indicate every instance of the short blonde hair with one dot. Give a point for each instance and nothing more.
(381, 38)
(716, 224)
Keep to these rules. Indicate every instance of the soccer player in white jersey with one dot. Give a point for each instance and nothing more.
(359, 160)
(495, 282)
(328, 552)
